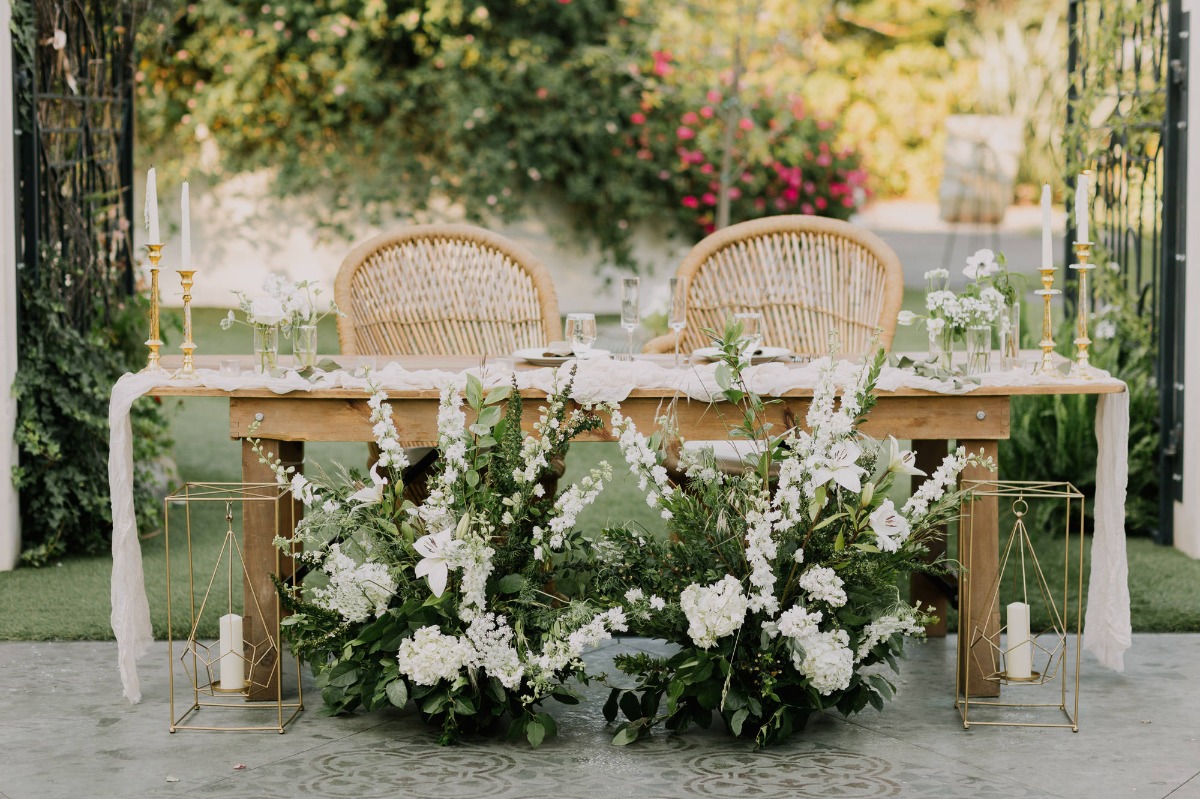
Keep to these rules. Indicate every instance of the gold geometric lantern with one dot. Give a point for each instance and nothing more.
(1029, 656)
(238, 672)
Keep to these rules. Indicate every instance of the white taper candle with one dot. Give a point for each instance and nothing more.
(186, 257)
(152, 208)
(1047, 243)
(1081, 208)
(233, 675)
(1018, 655)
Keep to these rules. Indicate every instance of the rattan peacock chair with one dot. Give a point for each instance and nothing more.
(807, 275)
(451, 289)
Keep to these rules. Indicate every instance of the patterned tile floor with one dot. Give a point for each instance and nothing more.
(65, 731)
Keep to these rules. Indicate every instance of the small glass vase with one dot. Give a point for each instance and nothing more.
(941, 347)
(979, 349)
(304, 346)
(1010, 336)
(266, 348)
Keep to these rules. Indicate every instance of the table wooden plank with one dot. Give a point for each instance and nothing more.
(979, 552)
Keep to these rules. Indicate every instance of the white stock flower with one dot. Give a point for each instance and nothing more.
(890, 527)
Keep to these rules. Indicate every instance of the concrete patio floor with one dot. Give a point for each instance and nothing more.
(65, 731)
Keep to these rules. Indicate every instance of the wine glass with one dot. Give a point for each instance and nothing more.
(752, 336)
(630, 311)
(580, 333)
(677, 315)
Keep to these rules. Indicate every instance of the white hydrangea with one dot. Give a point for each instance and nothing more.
(798, 622)
(826, 660)
(714, 611)
(355, 590)
(822, 584)
(430, 656)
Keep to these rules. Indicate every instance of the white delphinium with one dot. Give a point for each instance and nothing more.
(890, 527)
(822, 584)
(304, 490)
(475, 560)
(643, 463)
(430, 656)
(826, 660)
(559, 652)
(714, 611)
(700, 464)
(933, 489)
(355, 590)
(571, 503)
(436, 511)
(391, 452)
(761, 549)
(902, 620)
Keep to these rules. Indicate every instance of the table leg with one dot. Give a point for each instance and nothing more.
(979, 552)
(260, 623)
(931, 593)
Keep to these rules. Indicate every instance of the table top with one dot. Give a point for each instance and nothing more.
(458, 363)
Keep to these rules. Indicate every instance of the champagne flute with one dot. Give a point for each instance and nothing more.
(581, 333)
(752, 336)
(677, 315)
(630, 311)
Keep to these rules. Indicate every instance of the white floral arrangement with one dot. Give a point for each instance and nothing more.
(779, 591)
(450, 603)
(283, 303)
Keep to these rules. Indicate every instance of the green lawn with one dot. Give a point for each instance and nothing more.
(69, 600)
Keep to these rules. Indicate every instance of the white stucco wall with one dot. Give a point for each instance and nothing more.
(10, 519)
(1187, 513)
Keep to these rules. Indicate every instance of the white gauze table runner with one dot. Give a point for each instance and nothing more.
(1107, 629)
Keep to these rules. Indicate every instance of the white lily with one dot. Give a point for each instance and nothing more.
(891, 528)
(901, 461)
(842, 467)
(437, 551)
(372, 493)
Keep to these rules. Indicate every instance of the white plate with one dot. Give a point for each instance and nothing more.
(538, 356)
(762, 354)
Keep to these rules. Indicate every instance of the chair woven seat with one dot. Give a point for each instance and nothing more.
(807, 275)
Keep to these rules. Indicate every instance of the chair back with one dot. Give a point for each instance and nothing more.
(807, 275)
(450, 289)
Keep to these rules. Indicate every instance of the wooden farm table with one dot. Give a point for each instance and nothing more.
(977, 420)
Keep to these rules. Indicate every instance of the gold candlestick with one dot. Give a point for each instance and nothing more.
(154, 342)
(188, 370)
(1047, 293)
(1082, 367)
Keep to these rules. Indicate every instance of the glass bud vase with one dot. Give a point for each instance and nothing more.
(304, 346)
(979, 349)
(266, 348)
(941, 347)
(1010, 336)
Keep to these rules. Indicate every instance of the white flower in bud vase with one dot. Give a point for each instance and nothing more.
(438, 555)
(228, 321)
(935, 325)
(841, 466)
(373, 493)
(906, 318)
(901, 461)
(981, 264)
(266, 311)
(891, 529)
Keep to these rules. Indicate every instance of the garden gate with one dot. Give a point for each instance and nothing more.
(1128, 83)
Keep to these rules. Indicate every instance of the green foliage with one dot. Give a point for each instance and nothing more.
(77, 335)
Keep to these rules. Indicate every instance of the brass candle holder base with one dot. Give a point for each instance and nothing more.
(188, 370)
(1082, 368)
(153, 365)
(1047, 292)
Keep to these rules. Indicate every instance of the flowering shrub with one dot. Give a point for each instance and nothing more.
(450, 603)
(780, 590)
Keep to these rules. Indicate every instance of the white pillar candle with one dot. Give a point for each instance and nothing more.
(1018, 656)
(233, 675)
(186, 257)
(1047, 243)
(152, 208)
(1081, 208)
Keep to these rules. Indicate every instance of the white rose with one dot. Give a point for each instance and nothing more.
(266, 311)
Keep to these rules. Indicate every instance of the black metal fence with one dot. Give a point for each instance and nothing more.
(74, 133)
(1127, 66)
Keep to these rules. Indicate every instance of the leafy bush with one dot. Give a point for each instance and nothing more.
(77, 336)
